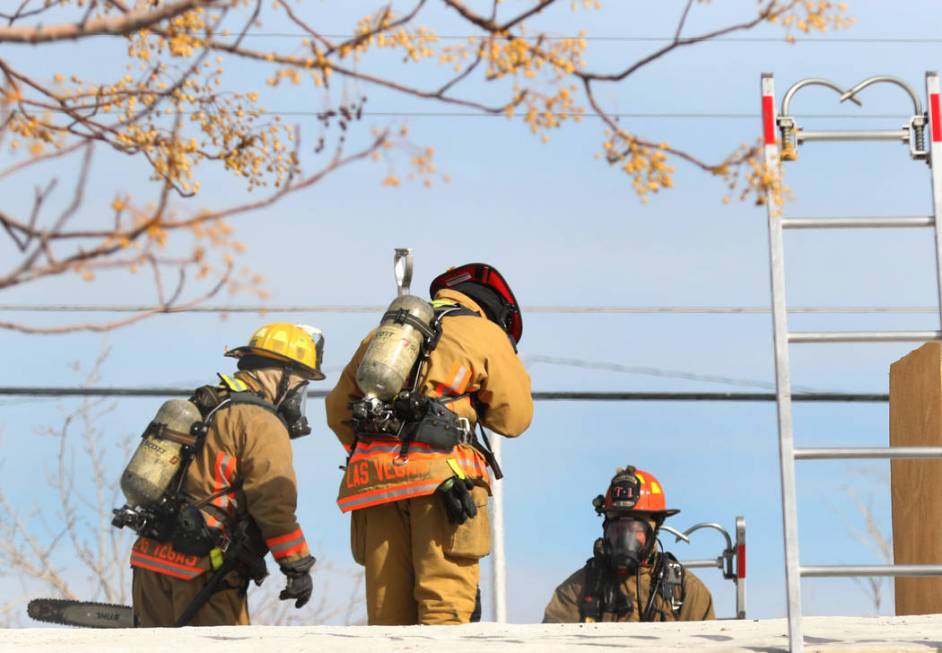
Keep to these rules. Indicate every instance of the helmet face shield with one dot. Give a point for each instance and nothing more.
(627, 541)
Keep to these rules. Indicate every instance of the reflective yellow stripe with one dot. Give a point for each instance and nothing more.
(456, 468)
(441, 303)
(215, 558)
(236, 385)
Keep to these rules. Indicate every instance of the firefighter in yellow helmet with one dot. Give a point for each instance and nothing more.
(628, 578)
(419, 520)
(237, 494)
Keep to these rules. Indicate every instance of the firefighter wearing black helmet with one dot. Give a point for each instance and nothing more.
(628, 578)
(419, 515)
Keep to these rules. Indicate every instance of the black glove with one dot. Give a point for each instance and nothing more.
(299, 584)
(456, 494)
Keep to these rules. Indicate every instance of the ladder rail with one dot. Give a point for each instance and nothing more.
(935, 156)
(782, 377)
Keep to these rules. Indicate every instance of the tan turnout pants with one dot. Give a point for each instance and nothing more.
(159, 600)
(420, 569)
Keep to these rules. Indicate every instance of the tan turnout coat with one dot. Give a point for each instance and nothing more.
(698, 602)
(473, 356)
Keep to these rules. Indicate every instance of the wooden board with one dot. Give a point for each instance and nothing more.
(916, 485)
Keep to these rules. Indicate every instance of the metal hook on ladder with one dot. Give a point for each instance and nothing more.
(913, 132)
(732, 560)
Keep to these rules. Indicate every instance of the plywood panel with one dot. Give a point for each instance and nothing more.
(916, 485)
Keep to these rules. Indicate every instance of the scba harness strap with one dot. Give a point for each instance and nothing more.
(437, 425)
(602, 592)
(187, 529)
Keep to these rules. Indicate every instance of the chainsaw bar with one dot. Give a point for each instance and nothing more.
(85, 614)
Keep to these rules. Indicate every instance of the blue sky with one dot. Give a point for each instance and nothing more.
(566, 230)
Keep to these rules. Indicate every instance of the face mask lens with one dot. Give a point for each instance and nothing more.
(626, 542)
(294, 411)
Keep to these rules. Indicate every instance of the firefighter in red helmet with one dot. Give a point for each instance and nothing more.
(419, 522)
(629, 578)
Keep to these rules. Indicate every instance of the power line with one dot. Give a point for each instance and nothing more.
(564, 114)
(570, 114)
(645, 115)
(561, 395)
(653, 371)
(645, 39)
(556, 310)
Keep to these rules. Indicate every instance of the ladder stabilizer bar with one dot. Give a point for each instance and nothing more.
(848, 571)
(901, 135)
(863, 336)
(860, 453)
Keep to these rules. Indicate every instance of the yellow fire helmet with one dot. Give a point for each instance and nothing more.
(298, 344)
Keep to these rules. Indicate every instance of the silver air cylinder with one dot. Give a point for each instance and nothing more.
(395, 348)
(157, 458)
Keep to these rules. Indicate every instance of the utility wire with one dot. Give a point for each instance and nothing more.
(562, 395)
(570, 114)
(640, 39)
(645, 115)
(658, 372)
(558, 310)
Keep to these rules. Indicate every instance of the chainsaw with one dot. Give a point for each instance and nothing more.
(81, 613)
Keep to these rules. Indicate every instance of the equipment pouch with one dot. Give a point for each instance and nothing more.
(438, 427)
(471, 539)
(191, 535)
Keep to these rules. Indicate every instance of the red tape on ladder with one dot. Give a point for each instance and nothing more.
(768, 119)
(934, 119)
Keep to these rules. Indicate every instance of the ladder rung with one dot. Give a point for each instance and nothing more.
(834, 571)
(867, 452)
(864, 336)
(901, 135)
(857, 223)
(703, 564)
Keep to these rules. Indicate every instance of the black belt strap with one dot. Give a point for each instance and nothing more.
(208, 590)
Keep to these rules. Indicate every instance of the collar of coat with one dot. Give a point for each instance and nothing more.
(460, 297)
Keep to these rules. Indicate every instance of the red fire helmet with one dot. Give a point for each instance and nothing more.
(488, 276)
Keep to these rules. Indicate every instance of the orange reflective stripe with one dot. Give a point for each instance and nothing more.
(281, 539)
(385, 495)
(287, 544)
(298, 548)
(164, 566)
(223, 471)
(456, 381)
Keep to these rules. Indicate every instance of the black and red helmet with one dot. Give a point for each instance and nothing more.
(507, 316)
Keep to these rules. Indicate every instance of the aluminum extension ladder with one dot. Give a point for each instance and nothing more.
(914, 135)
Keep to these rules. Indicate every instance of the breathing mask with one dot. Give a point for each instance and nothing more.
(627, 542)
(293, 410)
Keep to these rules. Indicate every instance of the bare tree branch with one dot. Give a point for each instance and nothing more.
(116, 26)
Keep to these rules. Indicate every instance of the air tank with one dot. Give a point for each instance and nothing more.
(157, 458)
(395, 348)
